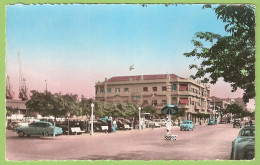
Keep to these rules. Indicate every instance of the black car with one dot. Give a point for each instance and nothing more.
(237, 123)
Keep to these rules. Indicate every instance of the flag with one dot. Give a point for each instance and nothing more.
(131, 67)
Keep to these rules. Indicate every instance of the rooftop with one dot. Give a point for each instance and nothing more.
(142, 77)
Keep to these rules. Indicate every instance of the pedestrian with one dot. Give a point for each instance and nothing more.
(109, 125)
(114, 126)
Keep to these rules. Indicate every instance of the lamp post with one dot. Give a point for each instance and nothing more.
(92, 107)
(139, 118)
(68, 114)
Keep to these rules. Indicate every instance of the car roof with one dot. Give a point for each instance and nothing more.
(187, 120)
(249, 127)
(42, 122)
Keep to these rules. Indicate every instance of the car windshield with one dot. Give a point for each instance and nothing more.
(186, 122)
(247, 132)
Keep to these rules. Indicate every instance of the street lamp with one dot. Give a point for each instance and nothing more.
(139, 118)
(92, 107)
(68, 114)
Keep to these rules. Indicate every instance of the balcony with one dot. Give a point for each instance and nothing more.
(184, 106)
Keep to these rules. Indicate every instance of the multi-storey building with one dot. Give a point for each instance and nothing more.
(157, 90)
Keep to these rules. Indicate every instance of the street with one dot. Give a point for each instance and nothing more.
(204, 143)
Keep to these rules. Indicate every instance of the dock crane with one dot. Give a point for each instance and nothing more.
(9, 92)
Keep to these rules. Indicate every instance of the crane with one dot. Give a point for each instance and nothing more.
(22, 83)
(9, 93)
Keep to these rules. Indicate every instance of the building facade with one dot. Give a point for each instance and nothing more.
(158, 91)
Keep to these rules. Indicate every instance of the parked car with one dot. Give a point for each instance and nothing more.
(237, 123)
(161, 122)
(123, 124)
(98, 126)
(222, 122)
(187, 125)
(243, 147)
(39, 128)
(212, 121)
(150, 123)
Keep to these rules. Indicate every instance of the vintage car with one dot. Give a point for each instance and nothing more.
(243, 147)
(187, 125)
(98, 126)
(39, 128)
(161, 122)
(237, 123)
(212, 121)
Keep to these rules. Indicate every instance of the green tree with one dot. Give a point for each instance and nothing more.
(48, 104)
(235, 110)
(149, 109)
(230, 57)
(85, 106)
(9, 111)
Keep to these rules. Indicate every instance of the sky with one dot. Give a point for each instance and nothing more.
(74, 46)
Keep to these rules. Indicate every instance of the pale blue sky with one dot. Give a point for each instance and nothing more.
(74, 46)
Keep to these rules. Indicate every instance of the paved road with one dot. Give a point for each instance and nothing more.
(204, 143)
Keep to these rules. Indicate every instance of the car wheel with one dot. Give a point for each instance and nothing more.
(21, 134)
(250, 155)
(45, 134)
(181, 129)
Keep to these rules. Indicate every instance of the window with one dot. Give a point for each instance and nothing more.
(164, 102)
(109, 90)
(145, 102)
(184, 101)
(102, 90)
(154, 89)
(174, 87)
(164, 88)
(117, 90)
(96, 90)
(192, 102)
(145, 89)
(154, 102)
(126, 89)
(183, 87)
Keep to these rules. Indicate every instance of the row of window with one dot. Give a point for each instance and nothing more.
(109, 90)
(182, 87)
(154, 102)
(145, 89)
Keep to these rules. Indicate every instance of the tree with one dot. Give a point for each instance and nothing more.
(9, 111)
(229, 57)
(85, 106)
(149, 109)
(48, 104)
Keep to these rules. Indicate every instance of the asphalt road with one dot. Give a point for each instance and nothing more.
(204, 143)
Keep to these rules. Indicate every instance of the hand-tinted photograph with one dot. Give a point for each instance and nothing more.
(130, 82)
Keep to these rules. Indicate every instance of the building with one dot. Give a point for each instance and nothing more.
(222, 103)
(157, 90)
(19, 108)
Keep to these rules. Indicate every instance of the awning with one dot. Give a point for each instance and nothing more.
(183, 87)
(184, 101)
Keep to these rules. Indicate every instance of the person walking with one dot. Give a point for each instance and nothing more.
(114, 126)
(110, 125)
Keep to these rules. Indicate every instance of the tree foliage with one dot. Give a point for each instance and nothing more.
(149, 109)
(230, 57)
(236, 110)
(58, 105)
